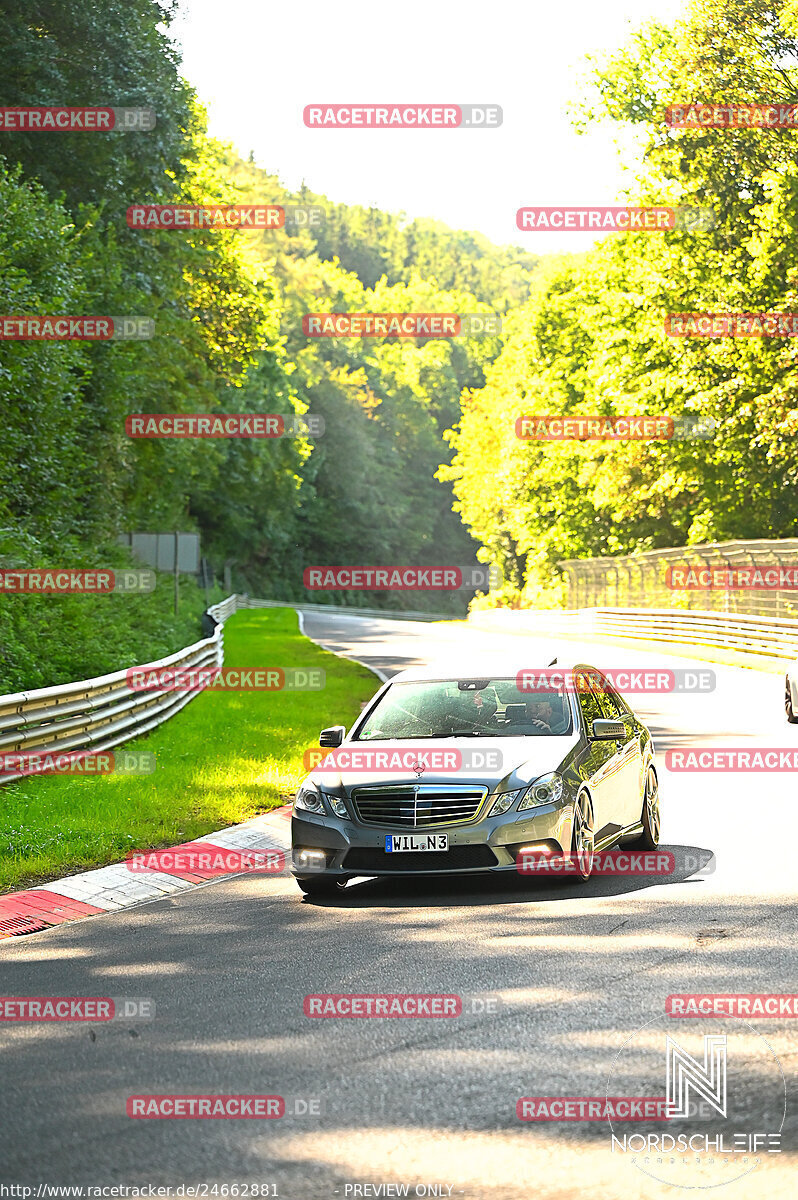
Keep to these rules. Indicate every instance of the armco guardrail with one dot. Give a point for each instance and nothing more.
(348, 610)
(773, 636)
(97, 714)
(770, 636)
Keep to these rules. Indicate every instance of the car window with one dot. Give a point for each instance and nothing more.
(620, 703)
(588, 699)
(609, 700)
(443, 708)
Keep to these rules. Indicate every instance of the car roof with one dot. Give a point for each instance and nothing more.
(489, 668)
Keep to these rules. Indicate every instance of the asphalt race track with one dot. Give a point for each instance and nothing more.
(558, 977)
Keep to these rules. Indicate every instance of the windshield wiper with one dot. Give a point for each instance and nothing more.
(472, 733)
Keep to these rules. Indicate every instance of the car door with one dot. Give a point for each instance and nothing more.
(629, 754)
(598, 765)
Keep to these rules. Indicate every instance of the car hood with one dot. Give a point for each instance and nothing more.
(503, 762)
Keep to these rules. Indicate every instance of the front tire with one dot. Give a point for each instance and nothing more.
(320, 885)
(650, 815)
(583, 837)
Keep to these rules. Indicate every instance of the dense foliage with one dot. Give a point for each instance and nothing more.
(592, 339)
(228, 338)
(419, 462)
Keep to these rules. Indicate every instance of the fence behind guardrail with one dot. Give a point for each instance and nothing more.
(642, 580)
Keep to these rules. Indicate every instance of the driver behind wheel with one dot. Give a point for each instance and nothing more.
(541, 714)
(552, 711)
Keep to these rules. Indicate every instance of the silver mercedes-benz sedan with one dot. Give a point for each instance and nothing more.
(449, 773)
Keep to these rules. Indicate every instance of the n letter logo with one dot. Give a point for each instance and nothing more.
(707, 1081)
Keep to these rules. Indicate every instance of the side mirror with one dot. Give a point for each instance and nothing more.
(333, 736)
(609, 731)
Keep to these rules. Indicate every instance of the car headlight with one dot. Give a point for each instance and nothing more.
(309, 798)
(546, 790)
(503, 802)
(338, 806)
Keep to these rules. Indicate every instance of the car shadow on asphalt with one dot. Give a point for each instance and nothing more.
(690, 865)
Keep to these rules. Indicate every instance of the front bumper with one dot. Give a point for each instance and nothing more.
(352, 848)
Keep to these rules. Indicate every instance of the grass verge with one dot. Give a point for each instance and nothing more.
(224, 758)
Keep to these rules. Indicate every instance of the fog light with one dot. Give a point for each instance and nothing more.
(311, 860)
(534, 855)
(535, 848)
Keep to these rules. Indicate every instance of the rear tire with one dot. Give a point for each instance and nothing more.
(791, 717)
(650, 815)
(320, 885)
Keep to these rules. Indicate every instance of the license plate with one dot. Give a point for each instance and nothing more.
(403, 843)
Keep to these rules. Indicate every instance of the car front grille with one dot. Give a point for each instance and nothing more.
(418, 807)
(458, 858)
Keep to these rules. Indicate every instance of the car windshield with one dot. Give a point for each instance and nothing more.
(467, 708)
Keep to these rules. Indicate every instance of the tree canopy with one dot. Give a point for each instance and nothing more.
(591, 339)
